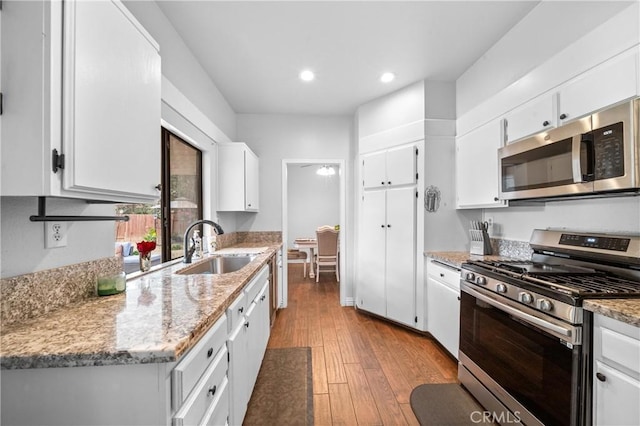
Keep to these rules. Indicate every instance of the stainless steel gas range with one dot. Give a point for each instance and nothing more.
(525, 340)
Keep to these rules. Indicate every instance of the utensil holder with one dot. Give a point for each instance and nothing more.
(480, 242)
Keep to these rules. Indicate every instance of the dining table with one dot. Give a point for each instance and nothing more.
(310, 244)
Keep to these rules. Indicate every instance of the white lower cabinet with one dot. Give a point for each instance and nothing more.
(247, 343)
(443, 305)
(616, 372)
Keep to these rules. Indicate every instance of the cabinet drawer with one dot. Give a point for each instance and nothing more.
(189, 370)
(446, 274)
(620, 348)
(236, 311)
(256, 284)
(205, 392)
(218, 412)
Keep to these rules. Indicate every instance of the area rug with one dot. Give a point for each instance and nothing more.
(445, 404)
(283, 394)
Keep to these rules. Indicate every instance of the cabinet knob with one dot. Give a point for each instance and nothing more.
(388, 226)
(212, 391)
(241, 309)
(496, 199)
(382, 182)
(389, 182)
(209, 352)
(246, 324)
(563, 116)
(158, 187)
(441, 275)
(381, 226)
(545, 123)
(601, 377)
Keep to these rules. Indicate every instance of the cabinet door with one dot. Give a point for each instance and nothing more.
(111, 102)
(252, 181)
(477, 165)
(374, 172)
(400, 255)
(238, 374)
(616, 398)
(371, 261)
(401, 165)
(607, 84)
(533, 117)
(443, 313)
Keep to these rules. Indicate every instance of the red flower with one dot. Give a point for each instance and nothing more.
(146, 246)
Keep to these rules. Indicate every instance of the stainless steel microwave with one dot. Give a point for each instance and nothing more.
(596, 155)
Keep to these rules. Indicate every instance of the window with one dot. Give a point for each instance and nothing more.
(180, 204)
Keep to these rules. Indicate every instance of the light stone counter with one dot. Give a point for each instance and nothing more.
(160, 316)
(625, 310)
(457, 258)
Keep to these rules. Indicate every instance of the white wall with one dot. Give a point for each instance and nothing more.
(277, 137)
(181, 68)
(313, 200)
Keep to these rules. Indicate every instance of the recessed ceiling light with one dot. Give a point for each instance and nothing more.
(387, 77)
(307, 75)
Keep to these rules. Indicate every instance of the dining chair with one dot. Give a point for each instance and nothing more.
(327, 252)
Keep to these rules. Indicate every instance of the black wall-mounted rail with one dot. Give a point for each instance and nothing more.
(42, 216)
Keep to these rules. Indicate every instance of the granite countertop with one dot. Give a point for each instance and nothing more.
(158, 318)
(457, 258)
(625, 310)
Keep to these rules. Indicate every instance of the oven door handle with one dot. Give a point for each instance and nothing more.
(563, 333)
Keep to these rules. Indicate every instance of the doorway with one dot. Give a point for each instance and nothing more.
(313, 194)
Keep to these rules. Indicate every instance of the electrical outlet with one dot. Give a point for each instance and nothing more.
(489, 221)
(55, 234)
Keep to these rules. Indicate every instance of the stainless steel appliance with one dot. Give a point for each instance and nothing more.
(525, 340)
(595, 155)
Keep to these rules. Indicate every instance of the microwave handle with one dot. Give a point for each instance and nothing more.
(587, 142)
(579, 141)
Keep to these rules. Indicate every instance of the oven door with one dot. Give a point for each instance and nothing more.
(521, 359)
(549, 164)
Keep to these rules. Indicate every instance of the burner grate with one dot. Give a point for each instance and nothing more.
(593, 284)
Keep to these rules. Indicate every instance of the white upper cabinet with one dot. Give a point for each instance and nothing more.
(391, 167)
(533, 117)
(477, 177)
(238, 178)
(609, 83)
(83, 80)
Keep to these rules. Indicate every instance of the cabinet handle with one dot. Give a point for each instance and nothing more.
(496, 199)
(262, 298)
(458, 297)
(563, 116)
(381, 226)
(545, 123)
(601, 377)
(246, 324)
(382, 182)
(209, 352)
(158, 187)
(241, 309)
(389, 182)
(212, 391)
(388, 226)
(441, 274)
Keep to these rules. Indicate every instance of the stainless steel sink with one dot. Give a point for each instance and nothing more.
(218, 265)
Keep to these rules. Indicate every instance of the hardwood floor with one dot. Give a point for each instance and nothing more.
(364, 369)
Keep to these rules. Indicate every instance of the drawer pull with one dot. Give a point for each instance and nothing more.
(262, 298)
(441, 275)
(209, 352)
(601, 377)
(246, 324)
(241, 309)
(212, 391)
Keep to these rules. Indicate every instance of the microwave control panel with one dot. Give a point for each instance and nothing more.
(608, 144)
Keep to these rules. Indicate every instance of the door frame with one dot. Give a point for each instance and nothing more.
(283, 292)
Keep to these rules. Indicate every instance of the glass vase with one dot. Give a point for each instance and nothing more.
(145, 261)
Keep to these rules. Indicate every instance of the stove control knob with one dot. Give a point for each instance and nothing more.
(525, 297)
(501, 288)
(481, 281)
(544, 305)
(470, 276)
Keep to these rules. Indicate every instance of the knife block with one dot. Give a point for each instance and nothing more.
(480, 242)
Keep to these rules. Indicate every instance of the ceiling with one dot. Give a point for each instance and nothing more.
(254, 50)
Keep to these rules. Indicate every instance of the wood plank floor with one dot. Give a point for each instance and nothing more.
(364, 369)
